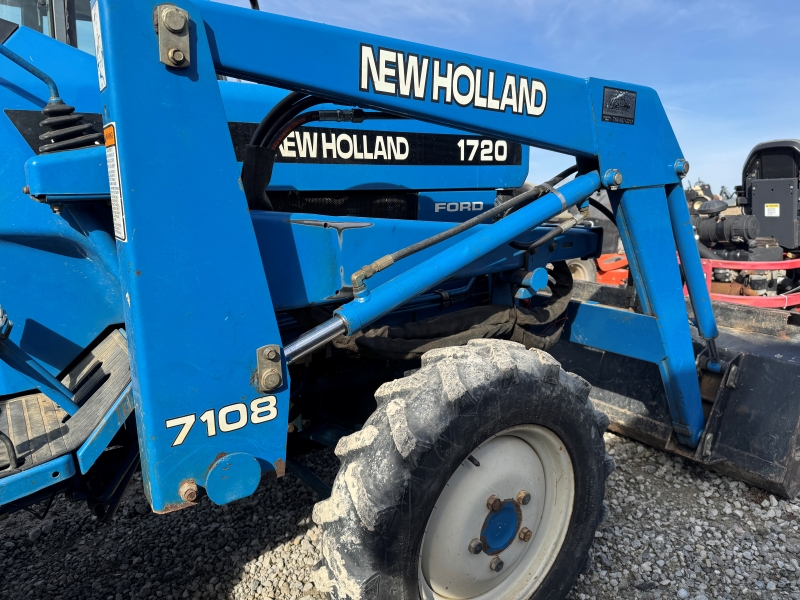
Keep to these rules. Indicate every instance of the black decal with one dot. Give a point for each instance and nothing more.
(619, 106)
(381, 147)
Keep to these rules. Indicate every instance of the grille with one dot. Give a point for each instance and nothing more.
(372, 204)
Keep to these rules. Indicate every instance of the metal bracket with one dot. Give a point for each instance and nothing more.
(172, 26)
(270, 368)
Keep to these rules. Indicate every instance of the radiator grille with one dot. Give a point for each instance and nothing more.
(373, 204)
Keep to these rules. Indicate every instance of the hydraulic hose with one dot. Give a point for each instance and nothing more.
(602, 209)
(269, 120)
(706, 252)
(552, 234)
(382, 263)
(355, 115)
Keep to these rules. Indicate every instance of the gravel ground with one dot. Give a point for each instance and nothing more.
(674, 531)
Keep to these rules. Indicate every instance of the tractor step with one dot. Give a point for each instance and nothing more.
(41, 431)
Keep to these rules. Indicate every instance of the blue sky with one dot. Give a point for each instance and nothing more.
(727, 71)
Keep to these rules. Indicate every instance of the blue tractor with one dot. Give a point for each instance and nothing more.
(202, 276)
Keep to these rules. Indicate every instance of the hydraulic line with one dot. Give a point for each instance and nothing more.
(553, 233)
(355, 115)
(277, 111)
(287, 116)
(382, 263)
(602, 209)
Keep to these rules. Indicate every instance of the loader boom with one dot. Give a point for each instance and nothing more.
(197, 303)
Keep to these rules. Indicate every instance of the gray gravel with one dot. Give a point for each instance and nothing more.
(674, 531)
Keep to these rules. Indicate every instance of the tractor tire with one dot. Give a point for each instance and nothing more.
(583, 270)
(410, 516)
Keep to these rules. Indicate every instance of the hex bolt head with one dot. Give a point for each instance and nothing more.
(270, 354)
(176, 56)
(525, 534)
(188, 491)
(174, 20)
(475, 546)
(494, 503)
(271, 379)
(523, 497)
(496, 565)
(612, 177)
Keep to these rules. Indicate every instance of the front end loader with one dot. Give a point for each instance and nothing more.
(202, 277)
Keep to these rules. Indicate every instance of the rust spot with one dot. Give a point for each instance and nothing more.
(173, 507)
(188, 491)
(138, 272)
(280, 468)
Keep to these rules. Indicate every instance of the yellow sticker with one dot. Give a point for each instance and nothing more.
(772, 210)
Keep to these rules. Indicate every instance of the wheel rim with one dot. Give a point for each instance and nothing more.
(526, 458)
(579, 271)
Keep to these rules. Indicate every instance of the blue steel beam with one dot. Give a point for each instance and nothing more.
(567, 114)
(196, 301)
(36, 478)
(646, 233)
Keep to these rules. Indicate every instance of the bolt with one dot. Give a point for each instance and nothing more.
(26, 190)
(270, 379)
(270, 354)
(494, 503)
(475, 546)
(525, 534)
(496, 565)
(188, 491)
(174, 19)
(176, 56)
(523, 497)
(681, 168)
(612, 177)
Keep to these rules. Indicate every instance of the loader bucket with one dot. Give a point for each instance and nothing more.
(752, 409)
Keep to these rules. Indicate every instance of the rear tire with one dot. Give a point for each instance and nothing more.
(385, 526)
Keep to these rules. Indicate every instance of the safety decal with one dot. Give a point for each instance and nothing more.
(772, 210)
(619, 106)
(397, 73)
(98, 45)
(226, 419)
(115, 182)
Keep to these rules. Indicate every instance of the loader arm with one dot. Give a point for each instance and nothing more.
(197, 304)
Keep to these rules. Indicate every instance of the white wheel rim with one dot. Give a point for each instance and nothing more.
(579, 271)
(526, 457)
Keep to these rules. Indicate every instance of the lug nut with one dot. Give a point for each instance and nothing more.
(496, 565)
(494, 503)
(523, 497)
(176, 56)
(475, 546)
(270, 379)
(188, 491)
(525, 534)
(174, 19)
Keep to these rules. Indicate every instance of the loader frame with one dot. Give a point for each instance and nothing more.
(194, 264)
